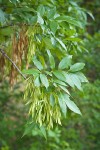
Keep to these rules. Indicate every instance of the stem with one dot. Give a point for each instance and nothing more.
(5, 55)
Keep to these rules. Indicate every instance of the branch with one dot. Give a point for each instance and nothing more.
(5, 55)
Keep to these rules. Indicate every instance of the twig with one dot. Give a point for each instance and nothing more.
(5, 55)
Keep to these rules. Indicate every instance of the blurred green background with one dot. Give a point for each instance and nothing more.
(77, 132)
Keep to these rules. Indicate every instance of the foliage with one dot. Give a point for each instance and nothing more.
(86, 128)
(12, 125)
(50, 34)
(81, 133)
(50, 41)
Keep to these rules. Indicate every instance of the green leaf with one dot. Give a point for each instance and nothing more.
(51, 13)
(6, 31)
(73, 39)
(41, 10)
(53, 41)
(43, 130)
(52, 100)
(61, 43)
(51, 59)
(48, 73)
(59, 75)
(37, 81)
(41, 58)
(48, 43)
(81, 77)
(65, 62)
(14, 1)
(91, 15)
(75, 80)
(62, 104)
(40, 20)
(33, 19)
(77, 67)
(68, 79)
(64, 89)
(28, 129)
(71, 105)
(33, 72)
(37, 63)
(44, 80)
(53, 26)
(2, 17)
(60, 82)
(70, 20)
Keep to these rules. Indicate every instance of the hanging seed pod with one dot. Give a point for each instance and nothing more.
(31, 44)
(40, 108)
(20, 49)
(2, 64)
